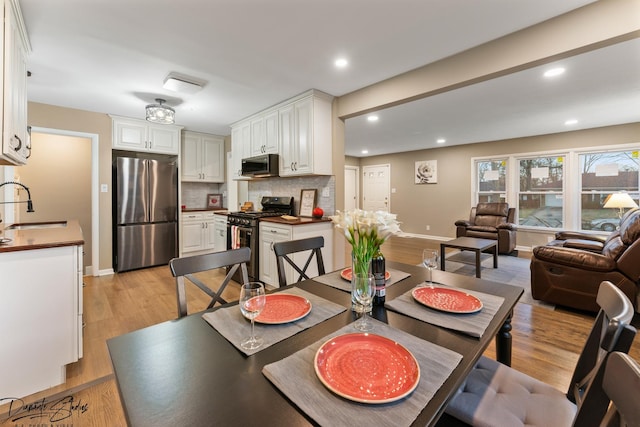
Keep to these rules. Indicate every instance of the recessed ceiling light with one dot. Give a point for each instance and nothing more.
(553, 72)
(441, 141)
(341, 62)
(571, 122)
(372, 118)
(365, 151)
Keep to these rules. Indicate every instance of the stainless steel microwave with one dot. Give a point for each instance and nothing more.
(261, 166)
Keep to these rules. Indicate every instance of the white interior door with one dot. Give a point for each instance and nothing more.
(376, 188)
(351, 187)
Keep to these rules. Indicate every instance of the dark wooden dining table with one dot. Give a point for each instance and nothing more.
(183, 372)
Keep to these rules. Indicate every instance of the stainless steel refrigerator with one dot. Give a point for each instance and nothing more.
(145, 212)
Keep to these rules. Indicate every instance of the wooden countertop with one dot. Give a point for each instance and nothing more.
(298, 221)
(216, 210)
(69, 234)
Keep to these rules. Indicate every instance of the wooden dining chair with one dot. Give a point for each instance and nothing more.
(496, 395)
(284, 249)
(185, 268)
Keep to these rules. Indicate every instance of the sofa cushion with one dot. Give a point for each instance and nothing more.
(492, 209)
(630, 227)
(482, 228)
(614, 248)
(574, 258)
(587, 245)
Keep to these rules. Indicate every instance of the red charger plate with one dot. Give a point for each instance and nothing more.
(367, 368)
(346, 274)
(447, 299)
(283, 308)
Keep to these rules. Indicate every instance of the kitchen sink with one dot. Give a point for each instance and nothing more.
(36, 225)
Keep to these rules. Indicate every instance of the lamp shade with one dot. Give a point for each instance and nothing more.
(158, 113)
(620, 200)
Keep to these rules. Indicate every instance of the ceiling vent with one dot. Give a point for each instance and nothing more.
(181, 83)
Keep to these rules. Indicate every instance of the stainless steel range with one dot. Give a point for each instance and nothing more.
(242, 229)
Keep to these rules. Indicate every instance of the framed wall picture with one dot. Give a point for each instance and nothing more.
(307, 202)
(426, 172)
(214, 201)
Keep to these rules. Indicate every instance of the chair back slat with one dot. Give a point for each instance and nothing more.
(611, 332)
(185, 268)
(284, 249)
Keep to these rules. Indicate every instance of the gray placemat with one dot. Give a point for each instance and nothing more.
(473, 324)
(295, 376)
(336, 281)
(234, 327)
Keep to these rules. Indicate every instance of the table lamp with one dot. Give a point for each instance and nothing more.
(620, 200)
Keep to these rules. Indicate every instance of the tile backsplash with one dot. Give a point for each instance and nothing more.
(194, 194)
(292, 187)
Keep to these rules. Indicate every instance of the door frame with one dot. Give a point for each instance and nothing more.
(356, 170)
(95, 206)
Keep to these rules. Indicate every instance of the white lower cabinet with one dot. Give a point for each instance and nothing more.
(40, 317)
(271, 233)
(220, 233)
(197, 232)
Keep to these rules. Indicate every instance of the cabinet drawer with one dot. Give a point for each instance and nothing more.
(189, 217)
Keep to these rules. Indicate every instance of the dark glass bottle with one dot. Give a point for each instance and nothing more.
(378, 269)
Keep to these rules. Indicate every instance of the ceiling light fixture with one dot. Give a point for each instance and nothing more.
(365, 151)
(372, 118)
(158, 113)
(553, 72)
(571, 122)
(441, 141)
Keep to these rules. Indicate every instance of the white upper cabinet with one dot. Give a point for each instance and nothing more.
(305, 136)
(299, 130)
(240, 147)
(264, 134)
(140, 135)
(16, 143)
(202, 157)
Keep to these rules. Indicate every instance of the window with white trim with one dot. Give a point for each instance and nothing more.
(541, 191)
(601, 174)
(491, 178)
(563, 189)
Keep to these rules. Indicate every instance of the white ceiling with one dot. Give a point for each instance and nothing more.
(112, 56)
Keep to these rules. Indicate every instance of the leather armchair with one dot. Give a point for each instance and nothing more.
(568, 270)
(490, 221)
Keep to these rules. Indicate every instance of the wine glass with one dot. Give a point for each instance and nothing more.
(430, 260)
(252, 302)
(364, 290)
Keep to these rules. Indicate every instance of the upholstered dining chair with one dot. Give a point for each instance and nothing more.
(497, 395)
(613, 400)
(284, 249)
(185, 268)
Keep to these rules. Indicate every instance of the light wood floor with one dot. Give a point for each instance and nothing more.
(545, 342)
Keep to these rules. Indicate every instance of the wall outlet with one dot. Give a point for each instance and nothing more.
(428, 228)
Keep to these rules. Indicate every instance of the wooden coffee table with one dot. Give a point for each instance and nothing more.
(471, 244)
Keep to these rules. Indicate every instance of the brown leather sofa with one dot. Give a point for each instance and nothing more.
(568, 270)
(490, 221)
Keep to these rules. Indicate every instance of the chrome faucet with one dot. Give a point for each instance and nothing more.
(29, 202)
